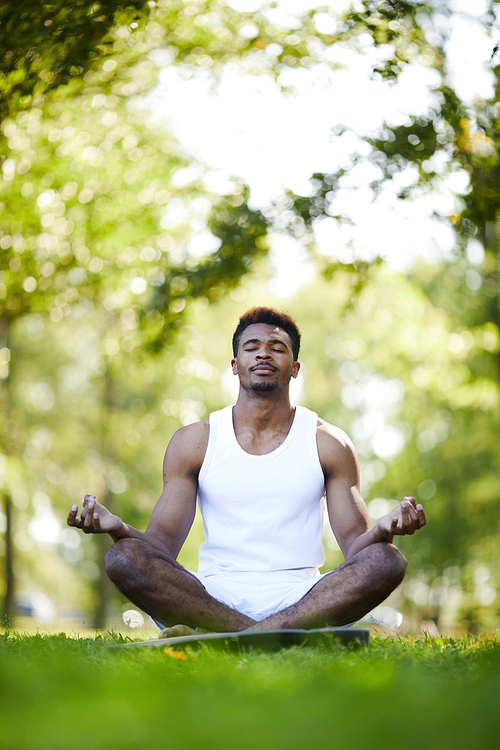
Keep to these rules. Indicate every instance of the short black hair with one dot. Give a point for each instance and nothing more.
(273, 318)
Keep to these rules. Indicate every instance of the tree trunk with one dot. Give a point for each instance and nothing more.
(104, 585)
(8, 602)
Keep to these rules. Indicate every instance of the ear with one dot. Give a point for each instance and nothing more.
(296, 368)
(234, 367)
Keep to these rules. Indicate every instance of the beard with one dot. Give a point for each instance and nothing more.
(264, 387)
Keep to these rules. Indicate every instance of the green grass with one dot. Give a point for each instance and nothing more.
(67, 693)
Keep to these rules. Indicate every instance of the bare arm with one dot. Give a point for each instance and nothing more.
(174, 512)
(346, 509)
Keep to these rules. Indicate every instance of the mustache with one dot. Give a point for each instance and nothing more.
(264, 364)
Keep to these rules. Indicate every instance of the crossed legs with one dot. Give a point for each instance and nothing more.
(161, 587)
(346, 594)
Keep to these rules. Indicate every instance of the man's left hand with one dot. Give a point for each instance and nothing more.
(406, 518)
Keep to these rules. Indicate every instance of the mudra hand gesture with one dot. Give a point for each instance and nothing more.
(406, 518)
(94, 518)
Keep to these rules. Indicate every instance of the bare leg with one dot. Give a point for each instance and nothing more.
(161, 587)
(346, 594)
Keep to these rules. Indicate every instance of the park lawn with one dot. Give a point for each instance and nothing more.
(63, 693)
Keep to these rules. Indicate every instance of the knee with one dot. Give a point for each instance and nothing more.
(392, 564)
(121, 562)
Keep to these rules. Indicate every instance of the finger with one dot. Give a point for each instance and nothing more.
(422, 520)
(409, 517)
(89, 513)
(409, 506)
(410, 499)
(405, 510)
(72, 515)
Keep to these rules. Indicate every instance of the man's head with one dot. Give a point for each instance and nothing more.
(271, 317)
(266, 346)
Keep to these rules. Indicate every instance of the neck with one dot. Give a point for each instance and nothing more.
(261, 411)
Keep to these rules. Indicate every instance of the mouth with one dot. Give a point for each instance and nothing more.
(263, 369)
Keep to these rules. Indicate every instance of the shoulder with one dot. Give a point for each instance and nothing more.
(335, 449)
(188, 446)
(332, 437)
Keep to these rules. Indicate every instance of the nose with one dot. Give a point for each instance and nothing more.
(263, 354)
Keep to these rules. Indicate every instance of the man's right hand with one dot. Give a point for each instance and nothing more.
(94, 518)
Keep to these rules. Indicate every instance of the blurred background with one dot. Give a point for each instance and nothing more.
(165, 166)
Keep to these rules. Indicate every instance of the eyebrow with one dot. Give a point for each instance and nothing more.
(269, 341)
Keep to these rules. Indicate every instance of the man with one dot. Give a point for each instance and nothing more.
(260, 471)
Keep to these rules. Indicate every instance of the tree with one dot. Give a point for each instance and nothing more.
(452, 136)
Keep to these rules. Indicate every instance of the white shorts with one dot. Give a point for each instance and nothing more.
(259, 595)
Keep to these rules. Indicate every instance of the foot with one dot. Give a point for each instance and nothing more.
(175, 631)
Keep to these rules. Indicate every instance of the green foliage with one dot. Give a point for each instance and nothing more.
(451, 135)
(100, 207)
(242, 233)
(47, 46)
(43, 46)
(397, 367)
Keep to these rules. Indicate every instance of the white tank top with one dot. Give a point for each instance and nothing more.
(261, 513)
